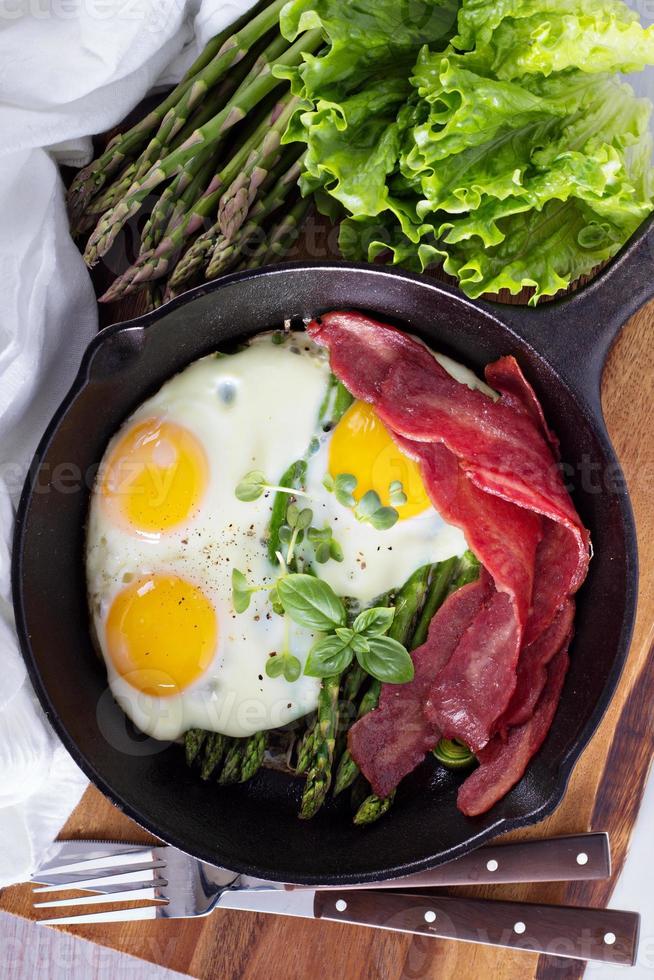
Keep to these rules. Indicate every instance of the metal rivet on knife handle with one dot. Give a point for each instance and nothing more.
(579, 933)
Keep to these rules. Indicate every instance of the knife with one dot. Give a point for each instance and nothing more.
(574, 857)
(608, 935)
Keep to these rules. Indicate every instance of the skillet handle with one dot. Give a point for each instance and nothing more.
(580, 933)
(576, 333)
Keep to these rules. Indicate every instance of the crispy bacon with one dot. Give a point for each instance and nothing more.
(491, 468)
(505, 376)
(556, 576)
(503, 762)
(392, 740)
(532, 673)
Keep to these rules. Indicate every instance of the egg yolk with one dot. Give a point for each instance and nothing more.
(155, 476)
(362, 445)
(161, 634)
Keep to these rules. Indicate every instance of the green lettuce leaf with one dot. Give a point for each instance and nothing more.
(367, 39)
(478, 19)
(513, 155)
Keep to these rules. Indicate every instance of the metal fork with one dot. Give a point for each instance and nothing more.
(182, 887)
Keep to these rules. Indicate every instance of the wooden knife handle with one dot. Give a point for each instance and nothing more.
(576, 857)
(579, 933)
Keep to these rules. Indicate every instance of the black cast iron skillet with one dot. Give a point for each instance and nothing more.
(254, 828)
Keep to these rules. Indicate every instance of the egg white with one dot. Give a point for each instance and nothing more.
(255, 409)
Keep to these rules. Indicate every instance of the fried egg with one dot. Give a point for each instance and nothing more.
(166, 530)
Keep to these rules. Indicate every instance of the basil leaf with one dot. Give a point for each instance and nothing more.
(328, 482)
(328, 656)
(311, 602)
(292, 514)
(344, 633)
(359, 643)
(387, 661)
(251, 486)
(285, 534)
(374, 621)
(384, 518)
(241, 591)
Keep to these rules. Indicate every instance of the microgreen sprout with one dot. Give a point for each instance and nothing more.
(396, 493)
(368, 510)
(242, 591)
(254, 484)
(324, 544)
(292, 533)
(284, 665)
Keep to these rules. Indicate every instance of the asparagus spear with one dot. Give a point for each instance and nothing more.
(172, 205)
(212, 133)
(231, 771)
(214, 748)
(154, 297)
(226, 251)
(467, 571)
(243, 759)
(294, 477)
(155, 263)
(193, 742)
(282, 236)
(237, 199)
(254, 753)
(441, 580)
(176, 199)
(122, 184)
(305, 752)
(372, 808)
(320, 772)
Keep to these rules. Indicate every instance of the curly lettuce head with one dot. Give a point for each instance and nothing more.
(512, 154)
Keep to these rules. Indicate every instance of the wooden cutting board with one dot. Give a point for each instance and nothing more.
(604, 792)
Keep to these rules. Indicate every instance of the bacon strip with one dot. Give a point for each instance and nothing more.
(556, 576)
(532, 672)
(491, 468)
(503, 762)
(392, 740)
(474, 688)
(485, 520)
(506, 377)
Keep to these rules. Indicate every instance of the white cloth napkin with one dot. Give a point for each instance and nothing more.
(72, 70)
